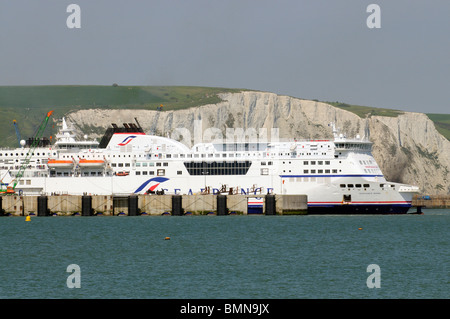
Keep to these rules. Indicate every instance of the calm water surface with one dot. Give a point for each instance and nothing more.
(228, 257)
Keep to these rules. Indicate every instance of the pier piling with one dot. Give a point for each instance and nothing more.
(42, 206)
(133, 207)
(222, 205)
(270, 205)
(177, 207)
(86, 205)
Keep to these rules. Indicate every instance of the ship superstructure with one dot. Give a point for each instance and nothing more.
(338, 176)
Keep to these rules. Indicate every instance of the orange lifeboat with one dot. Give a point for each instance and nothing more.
(91, 163)
(59, 164)
(122, 174)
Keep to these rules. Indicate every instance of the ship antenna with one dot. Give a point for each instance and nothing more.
(335, 131)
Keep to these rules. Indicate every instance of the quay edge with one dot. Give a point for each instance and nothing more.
(134, 205)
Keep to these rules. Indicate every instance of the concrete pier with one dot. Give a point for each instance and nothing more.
(431, 201)
(69, 205)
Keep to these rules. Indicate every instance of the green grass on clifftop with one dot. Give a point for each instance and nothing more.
(442, 123)
(363, 111)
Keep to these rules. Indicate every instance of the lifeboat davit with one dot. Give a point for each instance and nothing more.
(91, 163)
(59, 164)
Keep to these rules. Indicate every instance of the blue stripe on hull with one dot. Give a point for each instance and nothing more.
(358, 209)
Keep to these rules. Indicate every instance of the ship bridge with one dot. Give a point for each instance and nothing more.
(353, 145)
(65, 139)
(358, 144)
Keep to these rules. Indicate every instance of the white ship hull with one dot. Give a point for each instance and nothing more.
(337, 176)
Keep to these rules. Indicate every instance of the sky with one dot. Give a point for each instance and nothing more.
(312, 49)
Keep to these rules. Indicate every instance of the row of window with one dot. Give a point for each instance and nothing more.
(70, 173)
(366, 162)
(159, 172)
(218, 168)
(358, 146)
(203, 155)
(354, 185)
(150, 164)
(365, 186)
(24, 154)
(315, 162)
(320, 171)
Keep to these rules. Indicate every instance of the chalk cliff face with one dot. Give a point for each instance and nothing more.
(408, 148)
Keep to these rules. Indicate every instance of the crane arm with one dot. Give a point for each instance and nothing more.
(30, 152)
(16, 127)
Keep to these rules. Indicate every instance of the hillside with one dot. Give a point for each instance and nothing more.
(29, 104)
(409, 147)
(442, 123)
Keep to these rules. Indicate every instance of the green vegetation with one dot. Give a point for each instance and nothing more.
(363, 111)
(69, 97)
(29, 104)
(442, 123)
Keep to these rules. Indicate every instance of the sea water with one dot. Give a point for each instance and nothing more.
(226, 257)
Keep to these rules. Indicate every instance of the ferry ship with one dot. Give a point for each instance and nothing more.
(339, 176)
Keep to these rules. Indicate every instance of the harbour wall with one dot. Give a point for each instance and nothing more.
(69, 205)
(431, 201)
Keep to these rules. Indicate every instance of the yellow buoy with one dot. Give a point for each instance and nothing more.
(167, 238)
(359, 228)
(28, 218)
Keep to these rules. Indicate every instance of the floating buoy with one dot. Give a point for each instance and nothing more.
(28, 218)
(359, 228)
(167, 238)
